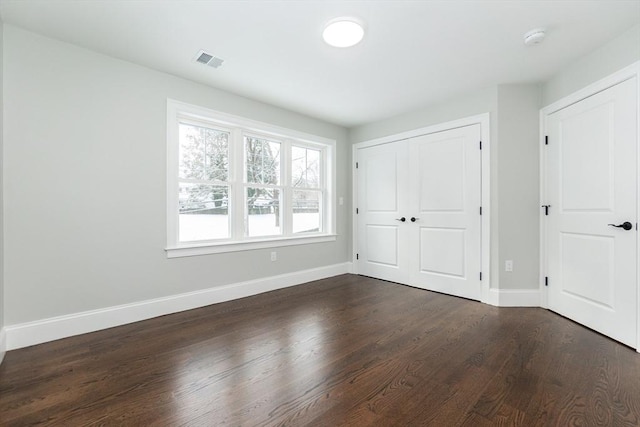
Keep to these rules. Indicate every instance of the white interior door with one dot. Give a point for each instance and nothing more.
(418, 216)
(445, 203)
(591, 160)
(383, 180)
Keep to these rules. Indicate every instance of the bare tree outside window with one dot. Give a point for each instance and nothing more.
(233, 183)
(305, 178)
(305, 167)
(262, 162)
(203, 183)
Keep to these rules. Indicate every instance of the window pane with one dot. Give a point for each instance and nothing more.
(203, 212)
(305, 167)
(262, 161)
(263, 212)
(204, 153)
(306, 211)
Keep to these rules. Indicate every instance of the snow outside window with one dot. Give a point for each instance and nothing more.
(235, 184)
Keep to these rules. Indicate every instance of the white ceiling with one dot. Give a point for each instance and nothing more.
(414, 54)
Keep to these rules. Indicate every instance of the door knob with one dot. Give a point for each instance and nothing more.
(403, 219)
(626, 225)
(414, 219)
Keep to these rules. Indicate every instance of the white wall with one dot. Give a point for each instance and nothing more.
(470, 105)
(84, 176)
(611, 57)
(2, 335)
(518, 185)
(514, 171)
(85, 142)
(515, 150)
(479, 102)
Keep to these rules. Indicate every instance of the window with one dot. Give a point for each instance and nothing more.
(203, 183)
(307, 192)
(235, 184)
(263, 186)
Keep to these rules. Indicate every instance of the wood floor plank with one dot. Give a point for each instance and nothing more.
(348, 350)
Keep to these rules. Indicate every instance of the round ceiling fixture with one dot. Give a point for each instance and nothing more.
(343, 32)
(535, 36)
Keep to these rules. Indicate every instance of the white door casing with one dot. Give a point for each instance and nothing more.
(591, 181)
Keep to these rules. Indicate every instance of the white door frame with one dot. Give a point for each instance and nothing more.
(484, 121)
(626, 73)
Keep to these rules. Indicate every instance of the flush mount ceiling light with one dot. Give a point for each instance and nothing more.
(535, 36)
(343, 32)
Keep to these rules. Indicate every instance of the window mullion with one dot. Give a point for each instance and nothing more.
(202, 193)
(201, 181)
(237, 187)
(287, 193)
(325, 180)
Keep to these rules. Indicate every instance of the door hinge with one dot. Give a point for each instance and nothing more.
(546, 209)
(546, 140)
(481, 145)
(546, 281)
(356, 165)
(357, 212)
(480, 210)
(357, 256)
(481, 276)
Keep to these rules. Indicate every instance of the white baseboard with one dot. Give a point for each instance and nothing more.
(350, 268)
(514, 297)
(40, 331)
(3, 343)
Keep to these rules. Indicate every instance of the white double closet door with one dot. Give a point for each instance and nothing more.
(418, 216)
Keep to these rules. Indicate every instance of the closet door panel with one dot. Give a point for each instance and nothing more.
(445, 249)
(383, 181)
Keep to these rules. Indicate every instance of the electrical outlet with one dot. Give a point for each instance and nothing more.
(508, 265)
(274, 256)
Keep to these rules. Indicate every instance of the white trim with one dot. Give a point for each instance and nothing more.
(486, 205)
(514, 297)
(603, 84)
(230, 120)
(637, 74)
(40, 331)
(544, 302)
(246, 245)
(626, 73)
(354, 206)
(3, 343)
(484, 121)
(350, 268)
(493, 297)
(237, 127)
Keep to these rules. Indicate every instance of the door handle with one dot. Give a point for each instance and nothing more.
(403, 219)
(626, 225)
(414, 219)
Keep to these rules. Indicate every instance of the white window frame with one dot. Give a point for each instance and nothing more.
(239, 127)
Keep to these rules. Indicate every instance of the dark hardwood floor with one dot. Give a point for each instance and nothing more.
(348, 350)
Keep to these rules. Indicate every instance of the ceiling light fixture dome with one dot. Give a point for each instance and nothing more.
(343, 32)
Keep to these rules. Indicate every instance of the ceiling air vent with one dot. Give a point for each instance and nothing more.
(210, 60)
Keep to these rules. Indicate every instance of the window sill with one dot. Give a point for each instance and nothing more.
(247, 245)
